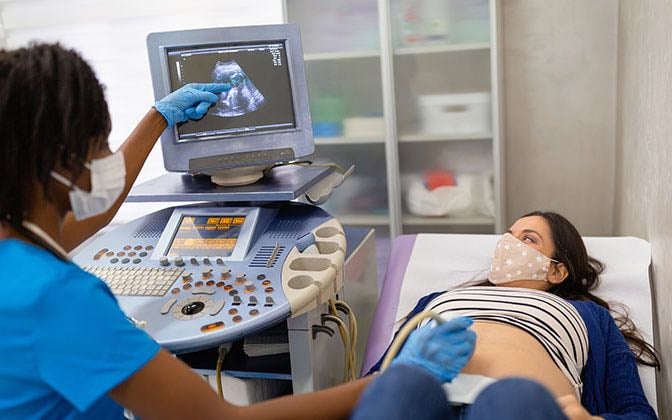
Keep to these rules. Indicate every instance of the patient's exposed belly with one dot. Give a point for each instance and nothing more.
(503, 350)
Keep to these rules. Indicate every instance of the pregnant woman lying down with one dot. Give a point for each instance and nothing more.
(535, 317)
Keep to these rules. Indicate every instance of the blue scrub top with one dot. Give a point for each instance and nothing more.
(64, 341)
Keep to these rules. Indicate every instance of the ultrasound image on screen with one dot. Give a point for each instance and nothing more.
(260, 98)
(244, 97)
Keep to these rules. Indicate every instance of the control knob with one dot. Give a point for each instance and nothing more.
(179, 262)
(164, 261)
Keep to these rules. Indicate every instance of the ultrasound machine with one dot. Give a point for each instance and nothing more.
(250, 256)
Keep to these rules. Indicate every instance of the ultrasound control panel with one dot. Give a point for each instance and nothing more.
(197, 276)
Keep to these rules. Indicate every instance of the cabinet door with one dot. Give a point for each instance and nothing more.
(341, 44)
(442, 72)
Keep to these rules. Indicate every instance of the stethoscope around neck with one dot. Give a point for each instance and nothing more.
(51, 245)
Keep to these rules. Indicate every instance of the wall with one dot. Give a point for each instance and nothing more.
(560, 101)
(111, 37)
(644, 155)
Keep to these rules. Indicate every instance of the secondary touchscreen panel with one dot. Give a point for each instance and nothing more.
(205, 236)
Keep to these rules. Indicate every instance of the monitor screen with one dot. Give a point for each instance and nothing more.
(264, 119)
(206, 236)
(260, 98)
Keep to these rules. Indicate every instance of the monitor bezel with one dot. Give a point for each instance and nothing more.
(184, 156)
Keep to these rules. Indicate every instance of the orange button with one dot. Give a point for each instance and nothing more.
(212, 326)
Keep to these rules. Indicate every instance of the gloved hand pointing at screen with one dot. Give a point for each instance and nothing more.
(442, 350)
(190, 102)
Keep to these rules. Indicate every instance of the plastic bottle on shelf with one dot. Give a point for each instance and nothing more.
(436, 17)
(409, 23)
(327, 112)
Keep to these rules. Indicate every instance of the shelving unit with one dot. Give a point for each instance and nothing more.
(423, 137)
(448, 221)
(441, 48)
(346, 55)
(370, 64)
(333, 141)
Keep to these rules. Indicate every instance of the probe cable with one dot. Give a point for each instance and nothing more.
(404, 333)
(345, 338)
(348, 335)
(222, 350)
(352, 321)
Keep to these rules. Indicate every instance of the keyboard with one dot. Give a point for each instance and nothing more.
(137, 281)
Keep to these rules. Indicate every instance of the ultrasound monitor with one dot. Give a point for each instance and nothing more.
(262, 120)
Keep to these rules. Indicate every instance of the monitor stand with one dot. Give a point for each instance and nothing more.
(238, 176)
(282, 183)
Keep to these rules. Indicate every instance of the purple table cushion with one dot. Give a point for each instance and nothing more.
(383, 320)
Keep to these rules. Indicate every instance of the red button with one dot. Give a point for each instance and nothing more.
(213, 326)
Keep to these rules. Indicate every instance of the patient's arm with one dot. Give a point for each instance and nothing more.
(573, 409)
(623, 388)
(165, 388)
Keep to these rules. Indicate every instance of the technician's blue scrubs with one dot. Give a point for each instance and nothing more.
(64, 341)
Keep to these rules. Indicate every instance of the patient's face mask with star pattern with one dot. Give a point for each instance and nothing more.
(515, 260)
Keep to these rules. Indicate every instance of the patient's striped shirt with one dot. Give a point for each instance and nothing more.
(555, 323)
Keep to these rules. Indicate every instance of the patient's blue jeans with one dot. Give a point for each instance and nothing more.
(406, 392)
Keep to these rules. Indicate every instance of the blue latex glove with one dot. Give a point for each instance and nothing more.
(190, 102)
(443, 349)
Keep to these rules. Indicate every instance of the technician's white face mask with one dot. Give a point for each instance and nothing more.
(108, 179)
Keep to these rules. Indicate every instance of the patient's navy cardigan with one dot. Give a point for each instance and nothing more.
(611, 385)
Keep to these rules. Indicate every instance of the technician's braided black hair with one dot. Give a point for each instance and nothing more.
(52, 111)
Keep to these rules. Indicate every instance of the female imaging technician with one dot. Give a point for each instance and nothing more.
(66, 348)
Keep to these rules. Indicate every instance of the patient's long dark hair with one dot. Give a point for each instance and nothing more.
(584, 272)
